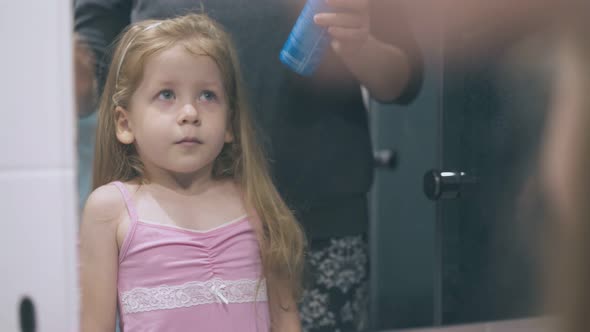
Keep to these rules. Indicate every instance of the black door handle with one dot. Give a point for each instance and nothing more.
(446, 184)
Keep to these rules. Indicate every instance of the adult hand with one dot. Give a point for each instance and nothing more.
(348, 24)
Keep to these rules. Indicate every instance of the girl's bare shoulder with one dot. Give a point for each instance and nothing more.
(104, 204)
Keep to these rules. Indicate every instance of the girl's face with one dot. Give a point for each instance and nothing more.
(178, 115)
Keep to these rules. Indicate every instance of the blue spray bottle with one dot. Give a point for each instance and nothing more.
(307, 43)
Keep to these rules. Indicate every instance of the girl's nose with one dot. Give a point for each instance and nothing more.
(188, 115)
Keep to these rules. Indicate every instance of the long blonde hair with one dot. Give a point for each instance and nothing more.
(281, 238)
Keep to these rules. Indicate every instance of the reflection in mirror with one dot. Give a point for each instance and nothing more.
(183, 203)
(174, 130)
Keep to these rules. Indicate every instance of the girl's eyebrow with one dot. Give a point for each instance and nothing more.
(168, 82)
(210, 83)
(164, 82)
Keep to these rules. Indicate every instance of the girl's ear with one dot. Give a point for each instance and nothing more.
(124, 132)
(229, 133)
(229, 136)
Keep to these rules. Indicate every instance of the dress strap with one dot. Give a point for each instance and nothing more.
(128, 201)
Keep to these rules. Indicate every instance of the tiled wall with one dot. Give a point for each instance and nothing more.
(37, 165)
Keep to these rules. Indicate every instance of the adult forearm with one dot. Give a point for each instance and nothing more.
(85, 81)
(98, 22)
(383, 69)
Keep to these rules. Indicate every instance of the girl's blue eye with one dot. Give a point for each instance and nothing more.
(166, 95)
(207, 96)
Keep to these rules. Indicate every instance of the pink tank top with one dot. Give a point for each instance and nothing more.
(176, 279)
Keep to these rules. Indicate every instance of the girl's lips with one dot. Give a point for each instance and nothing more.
(189, 141)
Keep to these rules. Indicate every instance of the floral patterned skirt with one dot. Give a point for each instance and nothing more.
(336, 291)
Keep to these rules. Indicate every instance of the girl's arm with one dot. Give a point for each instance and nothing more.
(99, 259)
(284, 314)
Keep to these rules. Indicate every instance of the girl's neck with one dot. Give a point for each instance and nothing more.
(184, 184)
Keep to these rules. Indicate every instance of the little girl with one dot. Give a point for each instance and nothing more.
(184, 230)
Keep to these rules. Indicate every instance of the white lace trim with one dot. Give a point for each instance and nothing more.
(192, 294)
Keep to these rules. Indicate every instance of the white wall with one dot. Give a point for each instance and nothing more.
(37, 165)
